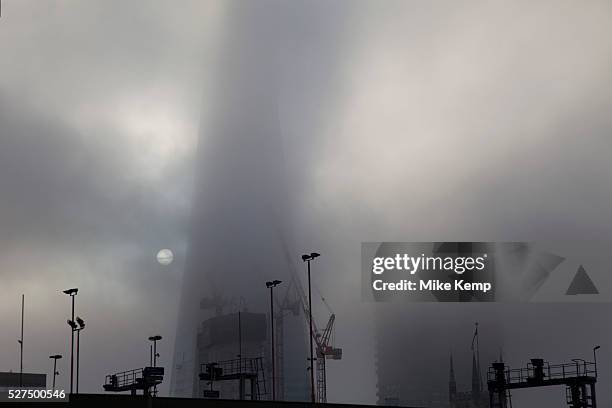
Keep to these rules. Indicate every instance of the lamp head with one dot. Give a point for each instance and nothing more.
(56, 356)
(155, 338)
(596, 347)
(305, 258)
(71, 324)
(81, 322)
(71, 292)
(271, 284)
(314, 255)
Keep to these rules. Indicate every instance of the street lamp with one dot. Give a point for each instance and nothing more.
(154, 356)
(271, 285)
(77, 327)
(81, 324)
(55, 372)
(307, 258)
(72, 293)
(595, 358)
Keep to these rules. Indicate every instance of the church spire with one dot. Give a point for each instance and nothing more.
(475, 378)
(452, 384)
(476, 361)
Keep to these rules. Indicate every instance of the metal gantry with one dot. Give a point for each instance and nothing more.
(579, 378)
(133, 380)
(241, 370)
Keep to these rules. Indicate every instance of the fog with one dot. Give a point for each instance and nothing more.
(402, 121)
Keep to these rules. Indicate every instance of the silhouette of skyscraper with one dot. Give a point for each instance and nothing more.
(240, 222)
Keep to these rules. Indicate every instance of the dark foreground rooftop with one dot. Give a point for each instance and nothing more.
(125, 401)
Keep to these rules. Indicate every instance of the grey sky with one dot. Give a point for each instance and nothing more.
(100, 110)
(421, 121)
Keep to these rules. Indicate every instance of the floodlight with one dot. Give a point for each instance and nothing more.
(307, 258)
(271, 284)
(71, 292)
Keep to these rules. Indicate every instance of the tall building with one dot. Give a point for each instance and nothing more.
(241, 212)
(236, 337)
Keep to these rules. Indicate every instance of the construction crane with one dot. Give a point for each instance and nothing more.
(323, 340)
(325, 350)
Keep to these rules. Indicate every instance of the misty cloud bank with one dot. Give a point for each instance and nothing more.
(408, 122)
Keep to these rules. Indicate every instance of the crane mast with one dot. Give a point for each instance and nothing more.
(323, 347)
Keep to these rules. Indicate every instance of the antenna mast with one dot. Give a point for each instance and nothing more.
(21, 339)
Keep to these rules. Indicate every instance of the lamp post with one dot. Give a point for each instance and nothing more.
(81, 323)
(20, 341)
(55, 372)
(72, 293)
(271, 285)
(73, 327)
(595, 358)
(155, 339)
(307, 258)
